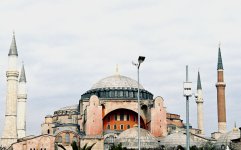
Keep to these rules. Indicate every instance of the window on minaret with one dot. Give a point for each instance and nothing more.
(67, 139)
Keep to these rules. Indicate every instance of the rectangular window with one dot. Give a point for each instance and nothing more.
(126, 94)
(127, 117)
(134, 118)
(116, 94)
(121, 117)
(121, 93)
(122, 127)
(115, 117)
(115, 127)
(108, 126)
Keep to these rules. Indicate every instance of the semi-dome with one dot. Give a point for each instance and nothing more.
(116, 81)
(117, 87)
(226, 138)
(176, 139)
(129, 139)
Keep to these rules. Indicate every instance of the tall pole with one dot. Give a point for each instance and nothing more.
(138, 101)
(187, 114)
(187, 93)
(140, 60)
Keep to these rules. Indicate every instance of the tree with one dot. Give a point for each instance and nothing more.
(76, 147)
(118, 147)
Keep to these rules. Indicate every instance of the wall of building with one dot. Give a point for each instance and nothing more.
(99, 143)
(42, 142)
(94, 123)
(121, 118)
(158, 124)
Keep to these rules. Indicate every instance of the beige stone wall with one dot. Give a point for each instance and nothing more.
(37, 143)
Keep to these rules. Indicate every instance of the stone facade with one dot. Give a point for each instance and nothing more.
(42, 142)
(10, 124)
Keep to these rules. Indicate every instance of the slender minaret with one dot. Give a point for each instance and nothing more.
(10, 125)
(199, 101)
(221, 95)
(22, 98)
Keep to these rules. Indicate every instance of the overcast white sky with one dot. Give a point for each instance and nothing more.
(67, 46)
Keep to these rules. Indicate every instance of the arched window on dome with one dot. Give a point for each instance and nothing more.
(121, 94)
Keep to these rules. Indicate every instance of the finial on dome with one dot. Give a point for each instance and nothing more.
(117, 70)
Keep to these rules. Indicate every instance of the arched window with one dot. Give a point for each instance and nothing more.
(59, 139)
(128, 126)
(75, 138)
(48, 131)
(67, 139)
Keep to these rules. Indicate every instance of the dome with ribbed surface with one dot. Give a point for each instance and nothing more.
(129, 139)
(116, 81)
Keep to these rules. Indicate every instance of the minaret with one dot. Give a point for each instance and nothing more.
(21, 111)
(199, 101)
(10, 125)
(221, 95)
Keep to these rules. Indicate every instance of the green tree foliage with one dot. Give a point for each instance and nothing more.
(85, 147)
(118, 147)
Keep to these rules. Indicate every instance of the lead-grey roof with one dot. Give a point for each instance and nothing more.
(220, 62)
(116, 81)
(13, 47)
(227, 137)
(22, 75)
(129, 139)
(199, 85)
(72, 107)
(175, 139)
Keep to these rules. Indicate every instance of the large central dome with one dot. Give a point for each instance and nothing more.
(116, 81)
(117, 87)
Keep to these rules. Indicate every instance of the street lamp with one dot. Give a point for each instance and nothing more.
(140, 60)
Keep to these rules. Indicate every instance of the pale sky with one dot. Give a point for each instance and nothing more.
(67, 46)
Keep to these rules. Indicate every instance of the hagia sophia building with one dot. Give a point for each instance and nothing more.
(107, 115)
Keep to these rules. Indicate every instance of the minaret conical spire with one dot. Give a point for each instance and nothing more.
(199, 85)
(22, 75)
(220, 62)
(13, 47)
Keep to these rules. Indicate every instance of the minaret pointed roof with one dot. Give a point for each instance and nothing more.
(13, 47)
(199, 85)
(22, 75)
(220, 62)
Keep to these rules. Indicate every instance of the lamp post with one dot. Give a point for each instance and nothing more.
(187, 92)
(140, 60)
